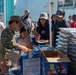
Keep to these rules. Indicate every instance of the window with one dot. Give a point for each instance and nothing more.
(1, 5)
(66, 3)
(75, 4)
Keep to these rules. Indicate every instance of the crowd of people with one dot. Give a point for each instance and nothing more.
(28, 35)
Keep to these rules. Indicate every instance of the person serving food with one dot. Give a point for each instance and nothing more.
(43, 28)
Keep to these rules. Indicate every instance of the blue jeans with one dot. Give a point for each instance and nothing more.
(16, 72)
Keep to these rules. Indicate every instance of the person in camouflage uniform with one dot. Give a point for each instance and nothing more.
(8, 38)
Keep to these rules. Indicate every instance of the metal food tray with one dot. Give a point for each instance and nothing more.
(73, 59)
(72, 52)
(72, 47)
(68, 30)
(60, 36)
(62, 39)
(62, 52)
(61, 46)
(62, 43)
(64, 49)
(64, 35)
(72, 39)
(64, 30)
(73, 34)
(72, 56)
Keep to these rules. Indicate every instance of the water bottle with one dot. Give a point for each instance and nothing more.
(38, 38)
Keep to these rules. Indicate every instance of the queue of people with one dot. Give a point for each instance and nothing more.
(27, 37)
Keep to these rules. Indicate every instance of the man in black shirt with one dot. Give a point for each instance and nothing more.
(60, 23)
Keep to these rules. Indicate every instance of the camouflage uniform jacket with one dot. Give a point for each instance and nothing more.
(8, 39)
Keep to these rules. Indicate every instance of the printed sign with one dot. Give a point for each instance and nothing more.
(31, 66)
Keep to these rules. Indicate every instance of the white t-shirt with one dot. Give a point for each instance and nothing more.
(25, 41)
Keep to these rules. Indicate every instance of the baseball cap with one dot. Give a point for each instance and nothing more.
(60, 13)
(16, 18)
(74, 17)
(43, 16)
(27, 11)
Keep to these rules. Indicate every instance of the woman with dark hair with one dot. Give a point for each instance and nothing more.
(43, 28)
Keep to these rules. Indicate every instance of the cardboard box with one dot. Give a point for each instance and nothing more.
(44, 63)
(31, 63)
(55, 63)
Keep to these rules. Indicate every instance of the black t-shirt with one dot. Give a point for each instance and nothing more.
(43, 31)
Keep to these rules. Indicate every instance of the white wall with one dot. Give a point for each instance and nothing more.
(35, 6)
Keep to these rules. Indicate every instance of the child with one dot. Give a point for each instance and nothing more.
(24, 38)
